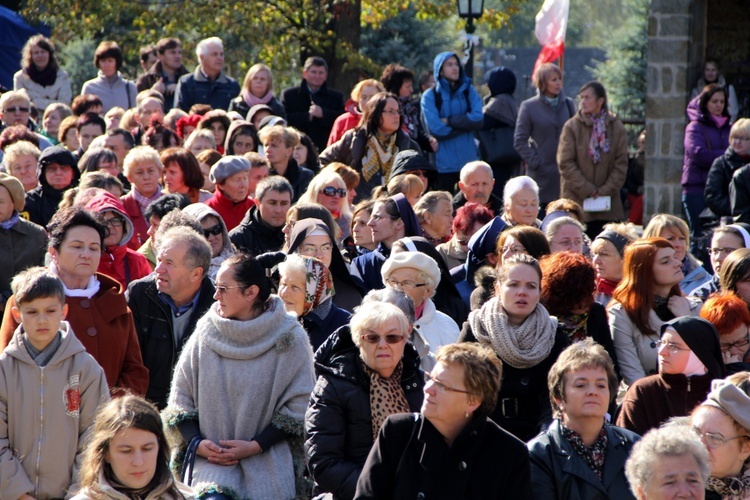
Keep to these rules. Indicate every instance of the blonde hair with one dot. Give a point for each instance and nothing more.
(254, 70)
(139, 155)
(741, 126)
(358, 88)
(319, 182)
(288, 136)
(660, 222)
(18, 149)
(408, 184)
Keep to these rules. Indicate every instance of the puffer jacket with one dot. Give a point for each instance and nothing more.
(462, 106)
(719, 179)
(49, 421)
(704, 142)
(338, 422)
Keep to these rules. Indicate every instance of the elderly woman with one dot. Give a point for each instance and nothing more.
(143, 169)
(607, 251)
(525, 338)
(724, 241)
(415, 456)
(565, 234)
(231, 199)
(435, 214)
(56, 172)
(580, 455)
(371, 147)
(540, 120)
(567, 294)
(99, 314)
(199, 141)
(668, 463)
(257, 88)
(521, 202)
(41, 75)
(731, 318)
(468, 220)
(242, 448)
(363, 378)
(418, 275)
(182, 175)
(329, 189)
(675, 231)
(28, 240)
(723, 425)
(53, 116)
(123, 426)
(306, 287)
(647, 297)
(723, 168)
(278, 146)
(109, 85)
(21, 162)
(593, 157)
(215, 232)
(689, 359)
(361, 93)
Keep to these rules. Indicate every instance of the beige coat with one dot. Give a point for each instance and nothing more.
(44, 96)
(580, 176)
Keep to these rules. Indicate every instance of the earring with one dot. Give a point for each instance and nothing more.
(467, 414)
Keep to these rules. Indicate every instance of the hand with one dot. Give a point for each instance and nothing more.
(239, 449)
(594, 194)
(214, 453)
(159, 86)
(680, 306)
(26, 496)
(444, 120)
(433, 144)
(730, 358)
(315, 111)
(171, 88)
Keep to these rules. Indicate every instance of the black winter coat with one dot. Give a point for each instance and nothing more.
(239, 105)
(338, 422)
(739, 194)
(410, 459)
(719, 179)
(523, 406)
(298, 177)
(558, 472)
(297, 101)
(255, 236)
(153, 324)
(319, 329)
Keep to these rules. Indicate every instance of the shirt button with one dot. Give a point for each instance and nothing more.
(85, 303)
(462, 466)
(91, 331)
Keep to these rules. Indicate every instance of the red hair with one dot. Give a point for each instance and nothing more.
(726, 311)
(468, 215)
(186, 121)
(636, 290)
(568, 282)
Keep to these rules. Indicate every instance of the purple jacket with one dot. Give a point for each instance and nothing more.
(704, 142)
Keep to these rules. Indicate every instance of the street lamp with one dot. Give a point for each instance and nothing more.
(470, 10)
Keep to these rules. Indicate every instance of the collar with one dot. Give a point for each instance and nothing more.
(179, 311)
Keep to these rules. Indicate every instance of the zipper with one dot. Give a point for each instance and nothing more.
(688, 387)
(41, 427)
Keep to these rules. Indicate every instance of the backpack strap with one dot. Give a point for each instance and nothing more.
(439, 98)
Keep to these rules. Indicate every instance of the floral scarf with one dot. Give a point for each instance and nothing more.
(379, 156)
(319, 286)
(593, 455)
(574, 325)
(386, 396)
(599, 141)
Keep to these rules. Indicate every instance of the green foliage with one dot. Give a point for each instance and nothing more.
(77, 58)
(624, 72)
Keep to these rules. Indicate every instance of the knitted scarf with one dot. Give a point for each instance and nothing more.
(44, 77)
(599, 141)
(521, 346)
(379, 156)
(251, 100)
(386, 396)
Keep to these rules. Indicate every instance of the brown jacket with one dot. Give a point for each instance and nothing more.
(104, 325)
(580, 176)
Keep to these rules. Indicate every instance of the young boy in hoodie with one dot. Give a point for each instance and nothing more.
(50, 389)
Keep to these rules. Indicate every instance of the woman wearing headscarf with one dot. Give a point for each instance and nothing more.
(306, 287)
(689, 359)
(215, 232)
(607, 251)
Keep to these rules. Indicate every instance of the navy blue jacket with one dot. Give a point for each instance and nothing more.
(195, 88)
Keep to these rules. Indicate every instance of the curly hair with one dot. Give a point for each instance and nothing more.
(569, 282)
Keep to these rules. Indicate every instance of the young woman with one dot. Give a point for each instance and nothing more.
(729, 314)
(217, 121)
(109, 85)
(128, 455)
(257, 89)
(648, 296)
(329, 189)
(41, 76)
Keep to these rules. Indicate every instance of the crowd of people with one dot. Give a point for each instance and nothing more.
(212, 292)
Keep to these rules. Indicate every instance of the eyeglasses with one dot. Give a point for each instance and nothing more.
(740, 343)
(221, 289)
(513, 250)
(392, 112)
(312, 249)
(115, 222)
(374, 338)
(332, 191)
(404, 285)
(15, 109)
(719, 251)
(740, 138)
(568, 243)
(670, 347)
(213, 230)
(441, 387)
(713, 440)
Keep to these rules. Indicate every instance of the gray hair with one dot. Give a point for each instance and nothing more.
(294, 263)
(429, 201)
(393, 296)
(556, 224)
(668, 441)
(200, 132)
(474, 166)
(141, 154)
(175, 218)
(273, 183)
(516, 184)
(376, 315)
(203, 46)
(198, 250)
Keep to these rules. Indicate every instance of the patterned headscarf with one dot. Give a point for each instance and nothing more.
(319, 284)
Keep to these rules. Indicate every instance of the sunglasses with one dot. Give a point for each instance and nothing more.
(374, 338)
(213, 230)
(15, 109)
(332, 191)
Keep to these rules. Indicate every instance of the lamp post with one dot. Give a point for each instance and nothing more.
(470, 10)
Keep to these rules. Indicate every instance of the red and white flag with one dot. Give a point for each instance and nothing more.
(551, 25)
